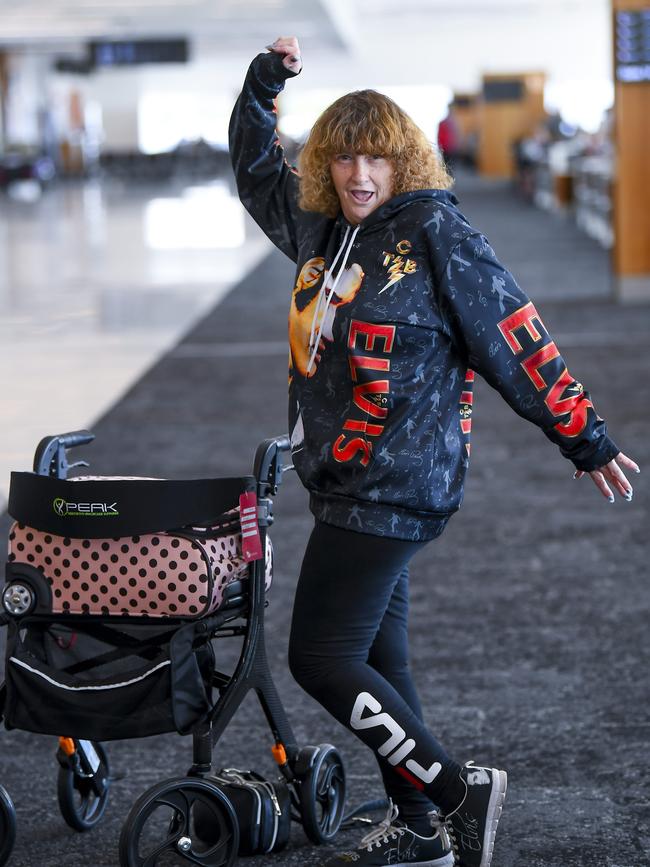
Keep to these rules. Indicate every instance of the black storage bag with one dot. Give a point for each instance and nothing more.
(263, 809)
(105, 683)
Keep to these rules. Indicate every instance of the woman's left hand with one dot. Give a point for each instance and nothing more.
(613, 474)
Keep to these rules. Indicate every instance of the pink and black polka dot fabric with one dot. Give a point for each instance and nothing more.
(155, 575)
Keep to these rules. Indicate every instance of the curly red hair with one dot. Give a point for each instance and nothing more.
(367, 122)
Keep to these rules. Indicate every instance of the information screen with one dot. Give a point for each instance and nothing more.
(128, 53)
(632, 45)
(503, 90)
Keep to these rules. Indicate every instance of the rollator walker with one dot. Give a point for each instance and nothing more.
(116, 592)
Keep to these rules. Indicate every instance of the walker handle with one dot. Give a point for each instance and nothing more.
(50, 458)
(267, 466)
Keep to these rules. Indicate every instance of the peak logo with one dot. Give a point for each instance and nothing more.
(65, 509)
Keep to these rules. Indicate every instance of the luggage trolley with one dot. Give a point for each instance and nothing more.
(115, 588)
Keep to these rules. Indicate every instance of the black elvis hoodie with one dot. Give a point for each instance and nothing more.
(388, 321)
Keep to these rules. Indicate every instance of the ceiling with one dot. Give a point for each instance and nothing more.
(238, 25)
(229, 24)
(344, 42)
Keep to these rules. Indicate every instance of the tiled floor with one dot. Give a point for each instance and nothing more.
(96, 281)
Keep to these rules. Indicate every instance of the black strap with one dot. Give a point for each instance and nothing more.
(147, 648)
(110, 508)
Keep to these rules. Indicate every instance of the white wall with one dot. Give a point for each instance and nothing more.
(570, 39)
(25, 99)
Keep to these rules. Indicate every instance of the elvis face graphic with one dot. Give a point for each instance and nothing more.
(304, 304)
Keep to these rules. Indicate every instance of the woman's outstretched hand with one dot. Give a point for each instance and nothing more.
(288, 47)
(613, 474)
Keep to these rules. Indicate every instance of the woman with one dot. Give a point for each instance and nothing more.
(397, 301)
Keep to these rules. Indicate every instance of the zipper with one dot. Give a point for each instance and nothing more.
(195, 543)
(277, 812)
(237, 778)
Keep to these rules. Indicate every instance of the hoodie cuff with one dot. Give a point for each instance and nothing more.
(597, 455)
(267, 74)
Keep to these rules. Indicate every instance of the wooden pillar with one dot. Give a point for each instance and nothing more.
(631, 254)
(511, 107)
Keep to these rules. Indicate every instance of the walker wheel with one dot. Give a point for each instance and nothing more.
(83, 798)
(18, 599)
(322, 792)
(7, 826)
(161, 826)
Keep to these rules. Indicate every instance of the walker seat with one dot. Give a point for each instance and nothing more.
(180, 573)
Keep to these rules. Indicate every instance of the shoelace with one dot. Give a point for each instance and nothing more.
(442, 827)
(386, 830)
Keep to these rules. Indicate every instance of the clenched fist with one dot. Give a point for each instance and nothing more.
(289, 49)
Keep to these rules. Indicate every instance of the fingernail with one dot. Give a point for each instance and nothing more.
(294, 58)
(628, 496)
(611, 498)
(270, 47)
(637, 470)
(575, 475)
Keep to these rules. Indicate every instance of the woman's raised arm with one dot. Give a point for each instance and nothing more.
(267, 185)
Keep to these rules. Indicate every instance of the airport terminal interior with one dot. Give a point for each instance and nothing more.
(139, 300)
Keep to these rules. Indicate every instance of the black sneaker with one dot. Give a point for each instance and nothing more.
(392, 842)
(472, 826)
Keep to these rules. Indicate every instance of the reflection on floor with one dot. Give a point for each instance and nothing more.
(96, 281)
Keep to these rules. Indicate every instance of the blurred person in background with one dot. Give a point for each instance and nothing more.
(397, 300)
(449, 138)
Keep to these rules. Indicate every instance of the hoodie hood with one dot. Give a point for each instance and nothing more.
(321, 322)
(390, 209)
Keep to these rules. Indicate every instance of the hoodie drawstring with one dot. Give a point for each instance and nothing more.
(314, 338)
(322, 291)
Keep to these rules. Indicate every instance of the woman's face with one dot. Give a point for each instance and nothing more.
(362, 183)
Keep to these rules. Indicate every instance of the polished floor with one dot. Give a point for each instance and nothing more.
(96, 281)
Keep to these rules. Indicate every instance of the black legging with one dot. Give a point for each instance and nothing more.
(349, 650)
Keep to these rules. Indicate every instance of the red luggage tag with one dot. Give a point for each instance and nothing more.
(251, 542)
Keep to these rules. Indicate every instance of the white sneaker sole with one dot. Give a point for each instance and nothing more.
(495, 806)
(446, 861)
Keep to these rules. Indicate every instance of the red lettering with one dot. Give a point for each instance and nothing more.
(343, 453)
(379, 386)
(577, 421)
(522, 318)
(532, 364)
(357, 361)
(554, 401)
(576, 405)
(372, 430)
(371, 331)
(346, 449)
(466, 401)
